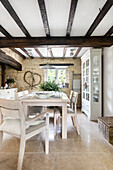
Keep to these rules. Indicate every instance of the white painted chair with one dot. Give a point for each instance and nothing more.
(70, 98)
(33, 110)
(12, 121)
(70, 112)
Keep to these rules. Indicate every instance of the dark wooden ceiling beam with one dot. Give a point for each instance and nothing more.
(100, 16)
(13, 14)
(97, 20)
(77, 52)
(26, 52)
(4, 32)
(38, 52)
(9, 36)
(64, 52)
(110, 32)
(51, 52)
(44, 17)
(34, 42)
(6, 59)
(71, 16)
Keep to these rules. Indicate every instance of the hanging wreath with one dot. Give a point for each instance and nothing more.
(32, 79)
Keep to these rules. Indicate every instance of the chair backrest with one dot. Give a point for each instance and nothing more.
(70, 97)
(26, 92)
(74, 100)
(11, 108)
(71, 94)
(22, 93)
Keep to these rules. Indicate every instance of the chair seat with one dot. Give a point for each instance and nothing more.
(68, 105)
(70, 111)
(13, 125)
(35, 109)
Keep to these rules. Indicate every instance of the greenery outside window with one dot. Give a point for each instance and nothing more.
(57, 75)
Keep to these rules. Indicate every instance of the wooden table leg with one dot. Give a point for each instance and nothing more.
(25, 106)
(64, 121)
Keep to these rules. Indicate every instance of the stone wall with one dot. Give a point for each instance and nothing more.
(33, 66)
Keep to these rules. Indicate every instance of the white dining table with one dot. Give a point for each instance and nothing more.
(33, 100)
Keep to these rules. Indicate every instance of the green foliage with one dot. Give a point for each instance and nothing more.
(49, 86)
(11, 80)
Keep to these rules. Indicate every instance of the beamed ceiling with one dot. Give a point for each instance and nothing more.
(55, 28)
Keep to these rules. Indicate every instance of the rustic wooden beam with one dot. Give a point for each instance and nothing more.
(44, 17)
(71, 16)
(34, 42)
(38, 52)
(100, 16)
(26, 52)
(51, 53)
(9, 36)
(2, 75)
(13, 14)
(3, 31)
(6, 59)
(110, 32)
(77, 52)
(64, 52)
(98, 19)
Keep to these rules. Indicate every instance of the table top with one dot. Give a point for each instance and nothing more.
(56, 97)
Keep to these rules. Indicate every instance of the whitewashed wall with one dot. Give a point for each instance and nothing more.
(108, 81)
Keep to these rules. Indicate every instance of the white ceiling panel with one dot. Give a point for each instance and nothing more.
(29, 13)
(83, 50)
(32, 52)
(70, 52)
(44, 52)
(18, 49)
(57, 52)
(58, 13)
(1, 35)
(86, 12)
(8, 23)
(105, 24)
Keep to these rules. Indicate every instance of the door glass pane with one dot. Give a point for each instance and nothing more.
(87, 63)
(83, 65)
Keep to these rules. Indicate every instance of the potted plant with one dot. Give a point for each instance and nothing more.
(49, 86)
(10, 82)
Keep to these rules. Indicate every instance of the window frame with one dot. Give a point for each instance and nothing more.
(56, 74)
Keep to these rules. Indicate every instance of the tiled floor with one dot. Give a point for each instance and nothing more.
(89, 151)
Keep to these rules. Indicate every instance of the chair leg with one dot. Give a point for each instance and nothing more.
(76, 123)
(72, 120)
(55, 124)
(47, 142)
(21, 153)
(1, 137)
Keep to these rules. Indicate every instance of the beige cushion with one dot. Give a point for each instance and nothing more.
(68, 105)
(69, 111)
(13, 125)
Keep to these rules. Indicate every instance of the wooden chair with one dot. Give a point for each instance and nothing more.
(70, 98)
(13, 122)
(70, 112)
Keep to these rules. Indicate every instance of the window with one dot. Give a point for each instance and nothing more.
(57, 75)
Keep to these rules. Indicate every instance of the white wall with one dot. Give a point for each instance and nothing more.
(108, 81)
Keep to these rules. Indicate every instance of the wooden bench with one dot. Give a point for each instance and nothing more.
(105, 125)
